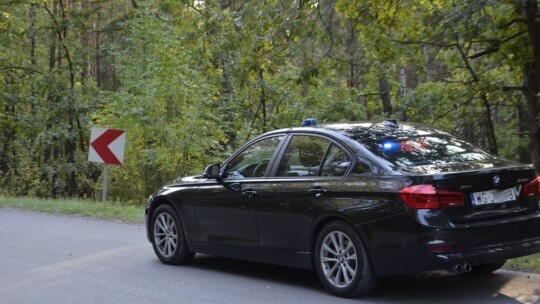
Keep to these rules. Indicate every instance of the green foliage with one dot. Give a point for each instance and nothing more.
(463, 53)
(190, 81)
(164, 103)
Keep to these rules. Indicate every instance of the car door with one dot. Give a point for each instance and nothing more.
(304, 178)
(225, 209)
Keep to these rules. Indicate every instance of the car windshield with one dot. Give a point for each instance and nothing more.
(413, 146)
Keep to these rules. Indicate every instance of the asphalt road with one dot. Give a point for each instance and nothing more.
(61, 259)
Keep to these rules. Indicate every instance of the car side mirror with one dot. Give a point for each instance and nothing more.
(212, 171)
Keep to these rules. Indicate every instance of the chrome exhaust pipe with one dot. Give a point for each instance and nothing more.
(462, 268)
(467, 267)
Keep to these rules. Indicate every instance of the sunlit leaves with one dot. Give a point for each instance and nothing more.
(190, 81)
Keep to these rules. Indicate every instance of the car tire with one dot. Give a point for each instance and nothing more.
(168, 237)
(489, 268)
(342, 262)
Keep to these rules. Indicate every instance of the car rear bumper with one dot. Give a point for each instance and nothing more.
(490, 254)
(427, 248)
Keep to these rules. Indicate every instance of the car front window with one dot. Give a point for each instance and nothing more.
(253, 160)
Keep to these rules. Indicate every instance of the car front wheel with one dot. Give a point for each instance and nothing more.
(168, 238)
(342, 262)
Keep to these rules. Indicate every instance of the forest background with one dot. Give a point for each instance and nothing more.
(191, 81)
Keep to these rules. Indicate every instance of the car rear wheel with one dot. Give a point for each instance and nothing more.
(342, 262)
(168, 238)
(487, 268)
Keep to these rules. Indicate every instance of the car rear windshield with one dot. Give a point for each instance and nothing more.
(413, 146)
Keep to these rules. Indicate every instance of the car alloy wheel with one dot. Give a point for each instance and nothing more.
(165, 235)
(338, 259)
(168, 237)
(342, 262)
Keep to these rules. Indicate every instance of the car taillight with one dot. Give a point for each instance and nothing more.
(532, 188)
(427, 197)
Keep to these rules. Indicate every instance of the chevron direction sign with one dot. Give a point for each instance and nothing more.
(107, 146)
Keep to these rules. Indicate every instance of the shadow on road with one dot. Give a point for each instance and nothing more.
(443, 287)
(275, 274)
(433, 287)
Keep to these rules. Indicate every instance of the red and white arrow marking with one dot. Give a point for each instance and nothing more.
(107, 146)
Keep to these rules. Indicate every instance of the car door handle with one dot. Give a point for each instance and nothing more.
(317, 191)
(249, 193)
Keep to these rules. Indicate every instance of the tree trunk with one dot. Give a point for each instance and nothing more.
(262, 100)
(532, 76)
(403, 92)
(491, 138)
(47, 151)
(8, 131)
(530, 91)
(227, 85)
(385, 96)
(524, 152)
(85, 43)
(99, 76)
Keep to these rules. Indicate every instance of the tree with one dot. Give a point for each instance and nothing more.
(531, 72)
(464, 53)
(192, 80)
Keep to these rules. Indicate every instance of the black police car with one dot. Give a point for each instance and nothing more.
(353, 201)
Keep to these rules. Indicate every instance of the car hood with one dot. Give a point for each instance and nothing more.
(187, 180)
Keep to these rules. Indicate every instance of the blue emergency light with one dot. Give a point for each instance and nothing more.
(389, 146)
(309, 122)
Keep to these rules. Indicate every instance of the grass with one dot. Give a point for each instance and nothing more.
(84, 208)
(135, 214)
(528, 263)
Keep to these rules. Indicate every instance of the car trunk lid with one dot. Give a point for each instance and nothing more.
(490, 190)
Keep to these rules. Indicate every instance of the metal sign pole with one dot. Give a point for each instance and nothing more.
(105, 176)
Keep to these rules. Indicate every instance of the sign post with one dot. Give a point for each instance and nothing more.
(105, 178)
(107, 147)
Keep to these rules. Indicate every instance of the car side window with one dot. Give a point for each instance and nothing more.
(252, 161)
(303, 156)
(336, 162)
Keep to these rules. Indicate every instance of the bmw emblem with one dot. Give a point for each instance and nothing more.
(497, 180)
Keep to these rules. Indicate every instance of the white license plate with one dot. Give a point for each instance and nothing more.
(495, 196)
